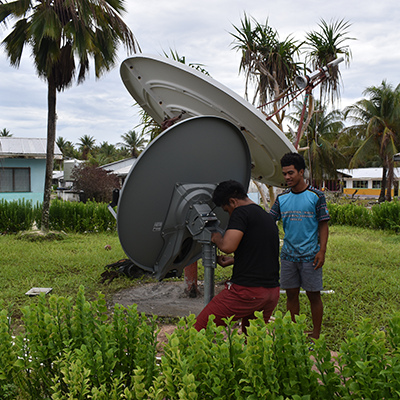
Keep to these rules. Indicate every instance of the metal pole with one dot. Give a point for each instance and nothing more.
(208, 284)
(209, 263)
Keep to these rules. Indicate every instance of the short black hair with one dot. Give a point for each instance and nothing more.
(294, 159)
(227, 190)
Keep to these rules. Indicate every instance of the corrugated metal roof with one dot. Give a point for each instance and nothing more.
(117, 165)
(121, 167)
(26, 147)
(367, 173)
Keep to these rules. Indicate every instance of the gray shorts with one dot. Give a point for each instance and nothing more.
(301, 274)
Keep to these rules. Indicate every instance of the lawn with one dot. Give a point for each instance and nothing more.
(64, 265)
(362, 268)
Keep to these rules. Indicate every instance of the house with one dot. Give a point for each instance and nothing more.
(66, 190)
(23, 168)
(65, 182)
(366, 182)
(120, 168)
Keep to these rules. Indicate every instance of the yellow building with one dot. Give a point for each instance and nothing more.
(366, 182)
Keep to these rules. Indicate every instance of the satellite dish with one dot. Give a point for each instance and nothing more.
(165, 88)
(165, 212)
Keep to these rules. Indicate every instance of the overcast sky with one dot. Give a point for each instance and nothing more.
(200, 32)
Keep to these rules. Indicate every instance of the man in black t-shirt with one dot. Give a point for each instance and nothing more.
(252, 236)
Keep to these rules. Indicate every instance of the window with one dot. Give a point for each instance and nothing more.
(360, 184)
(15, 180)
(376, 184)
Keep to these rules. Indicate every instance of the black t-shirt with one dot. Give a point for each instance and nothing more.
(257, 256)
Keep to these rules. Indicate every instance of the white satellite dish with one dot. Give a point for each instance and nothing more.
(165, 88)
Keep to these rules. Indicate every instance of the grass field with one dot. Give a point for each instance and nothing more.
(362, 268)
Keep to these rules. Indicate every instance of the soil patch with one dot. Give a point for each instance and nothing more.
(164, 299)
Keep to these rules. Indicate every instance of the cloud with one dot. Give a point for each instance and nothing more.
(200, 32)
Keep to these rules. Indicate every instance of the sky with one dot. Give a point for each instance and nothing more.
(200, 31)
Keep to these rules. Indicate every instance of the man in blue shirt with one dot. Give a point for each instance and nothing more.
(305, 217)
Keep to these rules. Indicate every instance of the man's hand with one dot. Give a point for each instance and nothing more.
(323, 230)
(225, 261)
(319, 259)
(216, 237)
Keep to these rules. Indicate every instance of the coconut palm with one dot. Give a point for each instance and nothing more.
(349, 141)
(86, 144)
(267, 62)
(58, 32)
(5, 133)
(107, 153)
(66, 147)
(325, 46)
(133, 142)
(318, 145)
(379, 116)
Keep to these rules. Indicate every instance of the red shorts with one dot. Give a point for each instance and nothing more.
(241, 302)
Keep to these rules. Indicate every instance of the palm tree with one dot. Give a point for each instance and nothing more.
(107, 153)
(324, 47)
(86, 144)
(133, 142)
(319, 149)
(379, 116)
(5, 133)
(268, 62)
(58, 32)
(349, 141)
(66, 147)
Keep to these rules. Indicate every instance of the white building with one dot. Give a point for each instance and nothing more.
(366, 182)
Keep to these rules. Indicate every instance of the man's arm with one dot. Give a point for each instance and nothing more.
(323, 230)
(229, 242)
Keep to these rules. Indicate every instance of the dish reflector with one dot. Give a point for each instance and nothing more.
(164, 88)
(170, 187)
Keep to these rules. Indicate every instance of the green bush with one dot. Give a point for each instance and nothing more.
(68, 350)
(80, 217)
(16, 216)
(385, 216)
(349, 214)
(75, 351)
(66, 216)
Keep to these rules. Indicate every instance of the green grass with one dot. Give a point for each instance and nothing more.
(63, 265)
(362, 267)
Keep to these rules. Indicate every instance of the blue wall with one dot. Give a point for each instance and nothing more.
(38, 173)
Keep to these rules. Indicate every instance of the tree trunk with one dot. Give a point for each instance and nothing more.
(271, 195)
(260, 190)
(389, 181)
(383, 186)
(51, 138)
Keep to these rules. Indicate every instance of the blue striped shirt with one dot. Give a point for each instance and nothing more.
(300, 214)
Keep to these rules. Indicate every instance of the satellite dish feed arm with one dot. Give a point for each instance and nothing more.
(115, 198)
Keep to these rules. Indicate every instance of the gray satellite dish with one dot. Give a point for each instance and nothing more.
(165, 88)
(165, 212)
